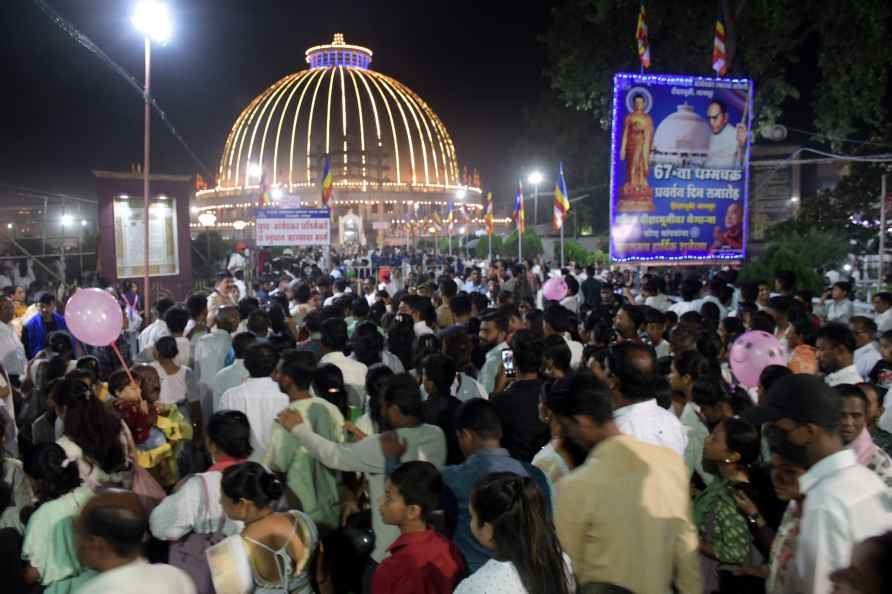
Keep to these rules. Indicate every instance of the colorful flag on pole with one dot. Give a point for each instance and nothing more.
(437, 221)
(719, 56)
(561, 200)
(265, 198)
(641, 36)
(519, 218)
(327, 181)
(490, 226)
(450, 217)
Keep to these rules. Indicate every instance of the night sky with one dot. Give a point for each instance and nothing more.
(478, 64)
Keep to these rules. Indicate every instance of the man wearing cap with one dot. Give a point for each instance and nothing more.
(844, 501)
(835, 346)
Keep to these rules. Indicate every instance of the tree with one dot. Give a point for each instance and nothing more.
(851, 209)
(481, 250)
(532, 245)
(806, 255)
(589, 40)
(576, 252)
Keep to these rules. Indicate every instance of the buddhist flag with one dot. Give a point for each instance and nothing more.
(437, 221)
(450, 217)
(719, 56)
(327, 181)
(265, 198)
(490, 224)
(519, 218)
(561, 201)
(641, 36)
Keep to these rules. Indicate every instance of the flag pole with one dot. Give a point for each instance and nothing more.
(519, 246)
(562, 245)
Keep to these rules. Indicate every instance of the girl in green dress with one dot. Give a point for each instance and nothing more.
(49, 552)
(732, 448)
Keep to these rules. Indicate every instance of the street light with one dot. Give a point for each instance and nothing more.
(535, 178)
(239, 225)
(66, 220)
(152, 19)
(460, 194)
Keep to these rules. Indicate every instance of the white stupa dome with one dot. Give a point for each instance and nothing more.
(682, 137)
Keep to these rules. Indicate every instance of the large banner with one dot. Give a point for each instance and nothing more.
(293, 227)
(679, 177)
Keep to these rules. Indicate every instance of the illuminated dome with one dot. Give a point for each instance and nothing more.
(376, 130)
(392, 158)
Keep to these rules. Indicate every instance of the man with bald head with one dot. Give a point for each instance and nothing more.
(110, 533)
(633, 379)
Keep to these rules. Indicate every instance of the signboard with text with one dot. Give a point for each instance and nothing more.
(292, 227)
(679, 177)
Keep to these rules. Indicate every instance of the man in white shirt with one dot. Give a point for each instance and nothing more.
(235, 374)
(12, 353)
(368, 290)
(844, 501)
(727, 142)
(632, 377)
(494, 336)
(110, 532)
(151, 333)
(867, 352)
(690, 295)
(333, 341)
(835, 345)
(882, 305)
(210, 355)
(654, 297)
(259, 396)
(340, 289)
(421, 311)
(401, 410)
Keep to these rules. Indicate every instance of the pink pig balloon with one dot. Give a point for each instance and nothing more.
(753, 352)
(94, 317)
(555, 288)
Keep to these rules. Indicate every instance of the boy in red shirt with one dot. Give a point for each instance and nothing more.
(421, 561)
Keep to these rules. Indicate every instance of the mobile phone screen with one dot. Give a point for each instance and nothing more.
(508, 362)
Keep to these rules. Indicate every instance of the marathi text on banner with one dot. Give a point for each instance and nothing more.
(293, 227)
(679, 169)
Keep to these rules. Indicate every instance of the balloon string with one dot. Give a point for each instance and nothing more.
(114, 347)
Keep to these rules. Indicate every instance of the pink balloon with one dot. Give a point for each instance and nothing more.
(753, 352)
(555, 288)
(94, 317)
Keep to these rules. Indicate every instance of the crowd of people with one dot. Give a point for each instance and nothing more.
(463, 432)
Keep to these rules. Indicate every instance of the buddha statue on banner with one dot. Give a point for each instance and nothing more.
(638, 133)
